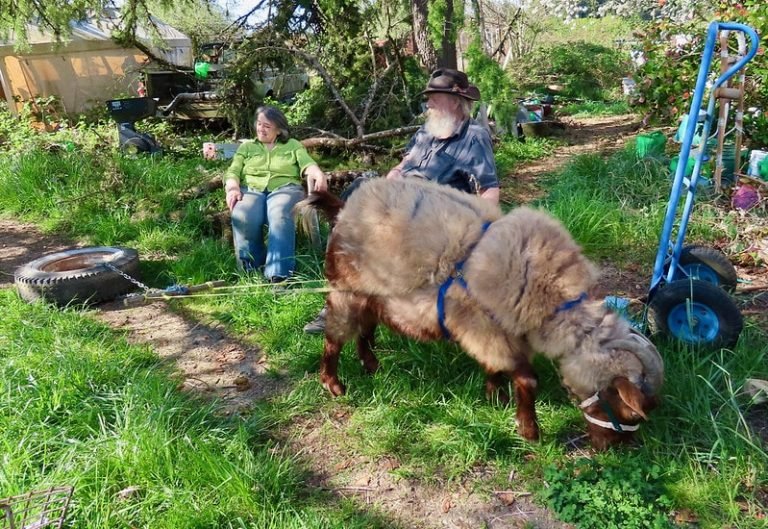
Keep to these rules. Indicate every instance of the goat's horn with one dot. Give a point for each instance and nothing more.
(648, 355)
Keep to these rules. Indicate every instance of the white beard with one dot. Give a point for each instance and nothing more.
(441, 125)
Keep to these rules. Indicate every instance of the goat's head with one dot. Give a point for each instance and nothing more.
(615, 412)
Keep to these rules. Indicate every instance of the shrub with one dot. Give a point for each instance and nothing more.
(667, 80)
(584, 70)
(495, 87)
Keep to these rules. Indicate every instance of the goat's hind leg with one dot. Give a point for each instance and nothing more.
(525, 382)
(346, 319)
(329, 365)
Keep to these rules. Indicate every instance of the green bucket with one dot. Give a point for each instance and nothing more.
(706, 167)
(202, 69)
(651, 144)
(688, 168)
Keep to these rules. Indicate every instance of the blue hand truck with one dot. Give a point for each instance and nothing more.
(689, 292)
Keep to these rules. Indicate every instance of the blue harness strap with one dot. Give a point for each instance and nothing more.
(567, 305)
(458, 276)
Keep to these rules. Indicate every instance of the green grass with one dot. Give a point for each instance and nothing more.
(580, 109)
(80, 406)
(511, 153)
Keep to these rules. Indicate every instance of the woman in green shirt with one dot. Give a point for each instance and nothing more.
(263, 183)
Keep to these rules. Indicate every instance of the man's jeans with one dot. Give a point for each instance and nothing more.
(275, 210)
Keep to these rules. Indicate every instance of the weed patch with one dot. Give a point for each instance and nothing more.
(624, 494)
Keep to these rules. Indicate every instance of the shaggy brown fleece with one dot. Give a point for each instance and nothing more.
(396, 242)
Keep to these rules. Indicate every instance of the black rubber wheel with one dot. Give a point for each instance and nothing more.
(707, 264)
(696, 312)
(78, 275)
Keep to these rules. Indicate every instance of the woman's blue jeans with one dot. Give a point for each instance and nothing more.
(273, 209)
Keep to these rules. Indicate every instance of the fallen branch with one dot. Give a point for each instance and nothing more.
(346, 143)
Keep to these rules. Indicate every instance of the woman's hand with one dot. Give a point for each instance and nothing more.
(320, 182)
(233, 197)
(316, 179)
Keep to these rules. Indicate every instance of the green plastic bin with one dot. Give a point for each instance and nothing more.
(651, 144)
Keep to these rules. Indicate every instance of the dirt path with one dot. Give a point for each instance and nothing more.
(599, 135)
(207, 359)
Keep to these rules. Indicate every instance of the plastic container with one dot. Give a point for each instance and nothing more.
(762, 168)
(651, 144)
(696, 140)
(688, 168)
(535, 112)
(202, 68)
(132, 109)
(628, 86)
(755, 159)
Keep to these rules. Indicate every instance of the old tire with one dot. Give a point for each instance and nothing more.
(696, 312)
(707, 264)
(79, 275)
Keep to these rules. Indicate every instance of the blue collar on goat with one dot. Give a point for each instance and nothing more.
(458, 276)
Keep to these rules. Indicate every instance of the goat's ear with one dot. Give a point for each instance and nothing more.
(630, 395)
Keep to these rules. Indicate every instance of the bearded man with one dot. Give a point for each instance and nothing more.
(450, 148)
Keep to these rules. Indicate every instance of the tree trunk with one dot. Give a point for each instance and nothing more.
(480, 22)
(424, 47)
(447, 57)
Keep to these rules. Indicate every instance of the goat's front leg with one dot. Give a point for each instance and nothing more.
(329, 366)
(525, 381)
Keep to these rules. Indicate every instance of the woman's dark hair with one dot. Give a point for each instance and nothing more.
(275, 116)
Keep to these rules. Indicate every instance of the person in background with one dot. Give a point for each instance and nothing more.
(450, 148)
(262, 185)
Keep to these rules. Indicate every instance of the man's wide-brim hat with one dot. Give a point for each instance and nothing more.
(454, 82)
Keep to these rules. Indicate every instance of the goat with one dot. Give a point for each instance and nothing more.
(432, 262)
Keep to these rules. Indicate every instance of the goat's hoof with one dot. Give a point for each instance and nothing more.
(529, 432)
(336, 388)
(370, 365)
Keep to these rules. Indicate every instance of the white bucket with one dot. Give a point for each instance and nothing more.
(755, 157)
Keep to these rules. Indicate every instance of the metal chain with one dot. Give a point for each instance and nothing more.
(136, 282)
